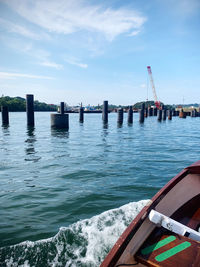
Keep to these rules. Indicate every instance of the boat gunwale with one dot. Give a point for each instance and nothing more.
(121, 244)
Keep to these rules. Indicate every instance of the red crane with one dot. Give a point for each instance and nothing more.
(157, 103)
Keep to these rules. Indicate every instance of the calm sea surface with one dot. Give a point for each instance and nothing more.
(67, 196)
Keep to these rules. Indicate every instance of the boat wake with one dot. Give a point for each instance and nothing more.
(84, 243)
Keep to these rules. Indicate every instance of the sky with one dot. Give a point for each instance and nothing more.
(90, 50)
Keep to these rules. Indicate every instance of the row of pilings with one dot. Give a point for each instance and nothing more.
(61, 120)
(162, 113)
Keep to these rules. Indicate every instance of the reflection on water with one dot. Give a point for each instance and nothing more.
(31, 135)
(119, 125)
(93, 168)
(30, 148)
(61, 133)
(105, 125)
(30, 131)
(5, 130)
(105, 131)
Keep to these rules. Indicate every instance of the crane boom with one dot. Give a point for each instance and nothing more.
(157, 103)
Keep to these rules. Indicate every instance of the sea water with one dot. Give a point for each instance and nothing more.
(67, 196)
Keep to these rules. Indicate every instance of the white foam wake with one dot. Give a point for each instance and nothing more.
(84, 243)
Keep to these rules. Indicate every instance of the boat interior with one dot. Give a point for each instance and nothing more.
(161, 247)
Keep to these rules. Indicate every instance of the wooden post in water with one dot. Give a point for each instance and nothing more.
(182, 114)
(105, 111)
(169, 114)
(141, 118)
(155, 111)
(130, 115)
(146, 112)
(60, 121)
(81, 116)
(4, 114)
(194, 113)
(198, 112)
(159, 115)
(164, 114)
(120, 113)
(62, 108)
(173, 112)
(150, 111)
(30, 110)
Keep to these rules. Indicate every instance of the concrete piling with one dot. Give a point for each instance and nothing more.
(159, 115)
(182, 114)
(150, 111)
(81, 116)
(60, 121)
(194, 113)
(143, 106)
(30, 110)
(146, 112)
(155, 111)
(164, 114)
(173, 112)
(120, 116)
(105, 111)
(5, 116)
(62, 108)
(169, 114)
(130, 115)
(141, 116)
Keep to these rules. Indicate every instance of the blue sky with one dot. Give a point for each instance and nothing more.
(89, 51)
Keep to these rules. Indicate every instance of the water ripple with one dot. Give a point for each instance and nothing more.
(52, 178)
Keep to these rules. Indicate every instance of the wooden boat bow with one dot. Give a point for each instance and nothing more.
(186, 186)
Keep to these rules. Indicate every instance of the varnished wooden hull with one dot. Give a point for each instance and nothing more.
(180, 200)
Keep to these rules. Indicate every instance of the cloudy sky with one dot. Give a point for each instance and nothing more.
(90, 50)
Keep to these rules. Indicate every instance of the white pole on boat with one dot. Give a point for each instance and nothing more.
(172, 225)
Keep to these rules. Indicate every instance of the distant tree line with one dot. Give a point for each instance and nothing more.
(135, 106)
(146, 104)
(110, 106)
(19, 104)
(149, 104)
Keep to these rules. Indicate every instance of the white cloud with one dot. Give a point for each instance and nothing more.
(41, 56)
(51, 64)
(134, 33)
(67, 16)
(11, 75)
(22, 30)
(76, 62)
